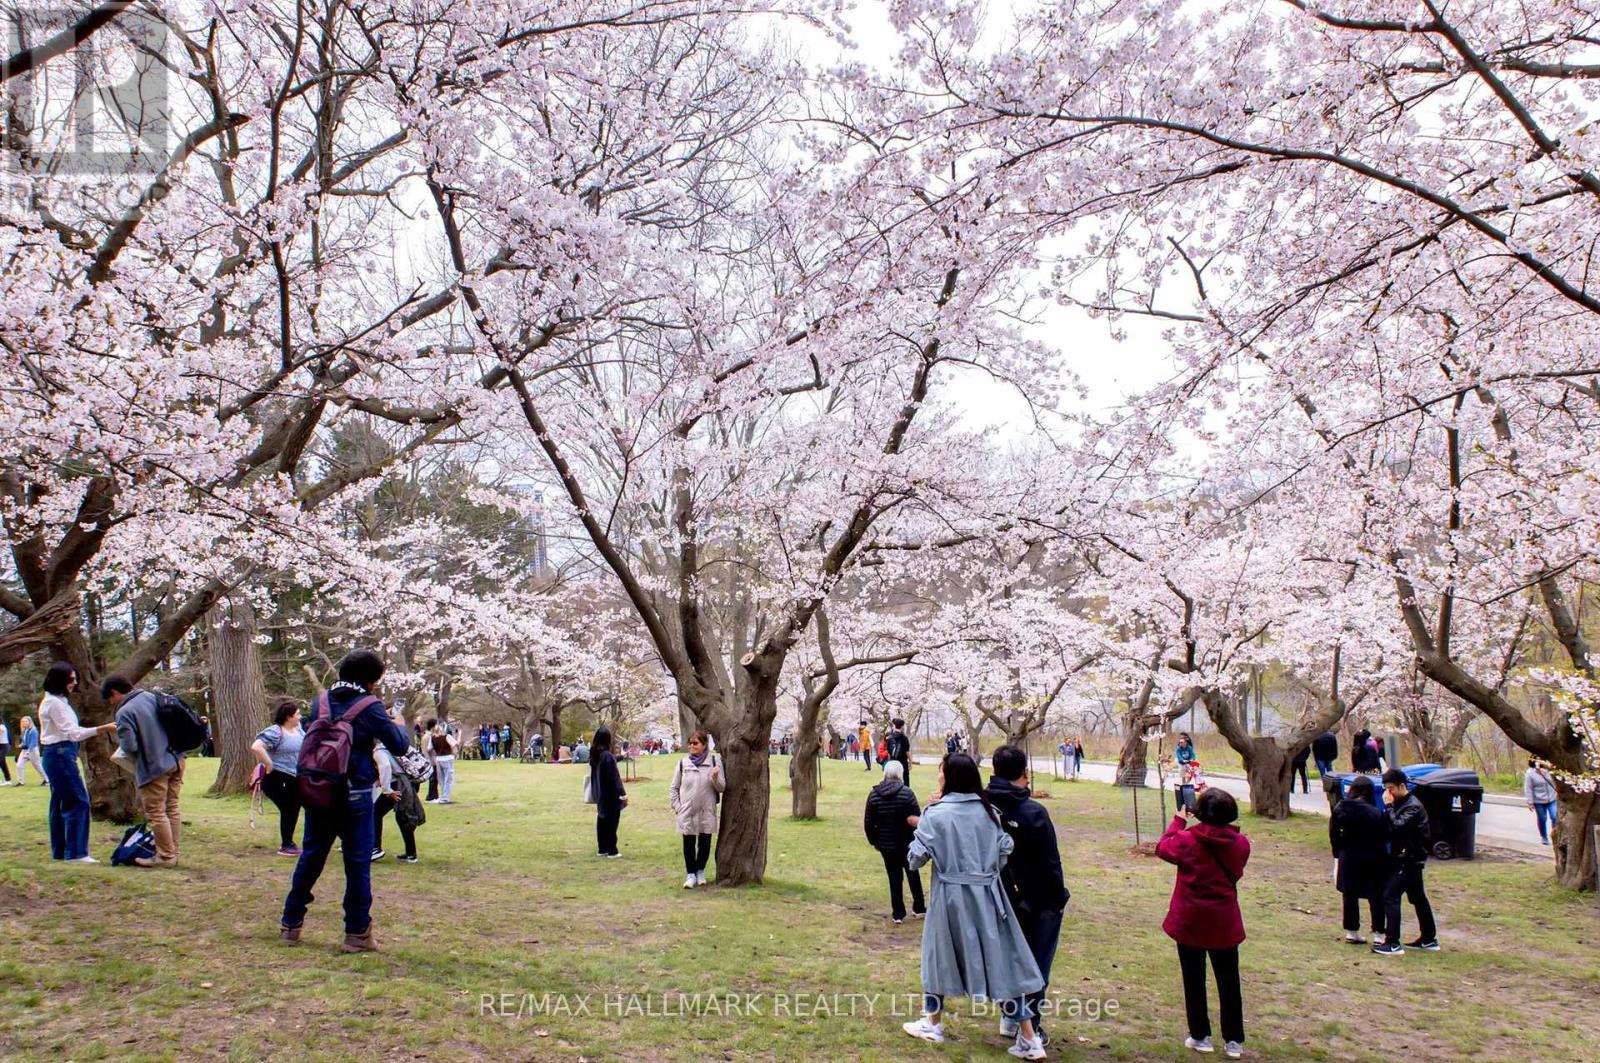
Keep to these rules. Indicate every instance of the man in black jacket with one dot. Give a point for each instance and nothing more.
(1325, 750)
(1408, 849)
(891, 809)
(898, 746)
(1032, 875)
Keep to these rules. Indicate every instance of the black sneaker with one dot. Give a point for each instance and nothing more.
(1431, 945)
(1386, 949)
(377, 854)
(899, 918)
(406, 858)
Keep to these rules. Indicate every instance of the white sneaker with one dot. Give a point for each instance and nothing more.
(84, 860)
(699, 878)
(928, 1031)
(1202, 1045)
(1027, 1049)
(1009, 1027)
(1354, 938)
(1233, 1049)
(690, 882)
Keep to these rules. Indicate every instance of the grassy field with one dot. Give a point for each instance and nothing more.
(509, 910)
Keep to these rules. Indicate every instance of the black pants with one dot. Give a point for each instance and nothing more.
(895, 864)
(605, 831)
(5, 751)
(1042, 931)
(1406, 880)
(1300, 770)
(1352, 913)
(283, 790)
(696, 851)
(382, 807)
(1225, 965)
(433, 785)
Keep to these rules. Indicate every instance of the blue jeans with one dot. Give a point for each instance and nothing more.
(1546, 813)
(353, 828)
(69, 802)
(1324, 767)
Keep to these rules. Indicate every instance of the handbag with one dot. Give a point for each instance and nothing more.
(415, 765)
(588, 790)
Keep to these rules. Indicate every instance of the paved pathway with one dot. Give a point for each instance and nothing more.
(1504, 821)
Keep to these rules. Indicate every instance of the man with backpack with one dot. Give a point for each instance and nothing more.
(898, 746)
(338, 778)
(155, 731)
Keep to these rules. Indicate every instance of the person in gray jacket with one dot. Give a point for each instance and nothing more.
(1539, 791)
(157, 770)
(972, 945)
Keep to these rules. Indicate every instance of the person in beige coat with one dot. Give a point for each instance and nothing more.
(696, 788)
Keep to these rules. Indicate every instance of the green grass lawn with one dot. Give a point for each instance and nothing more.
(509, 899)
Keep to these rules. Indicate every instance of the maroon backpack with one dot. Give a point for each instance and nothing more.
(324, 761)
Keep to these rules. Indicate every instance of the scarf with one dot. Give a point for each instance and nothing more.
(700, 760)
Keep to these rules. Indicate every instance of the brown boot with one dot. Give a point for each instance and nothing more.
(362, 942)
(289, 935)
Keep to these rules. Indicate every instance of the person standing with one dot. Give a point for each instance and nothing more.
(277, 750)
(157, 770)
(1407, 823)
(972, 945)
(889, 820)
(427, 750)
(444, 746)
(1203, 917)
(605, 783)
(1539, 791)
(1359, 836)
(396, 793)
(1324, 750)
(1032, 875)
(1077, 757)
(864, 735)
(355, 700)
(1184, 752)
(1364, 758)
(5, 751)
(59, 735)
(899, 745)
(28, 752)
(697, 786)
(1297, 766)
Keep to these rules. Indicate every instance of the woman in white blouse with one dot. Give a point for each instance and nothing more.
(59, 734)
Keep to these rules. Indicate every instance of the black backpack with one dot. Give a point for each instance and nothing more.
(186, 732)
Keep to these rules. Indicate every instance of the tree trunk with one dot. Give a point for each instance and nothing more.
(1133, 762)
(803, 783)
(1577, 818)
(555, 727)
(1267, 768)
(238, 694)
(742, 842)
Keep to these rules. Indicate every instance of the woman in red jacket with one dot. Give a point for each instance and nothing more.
(1204, 915)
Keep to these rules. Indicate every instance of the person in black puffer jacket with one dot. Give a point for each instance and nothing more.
(1358, 832)
(1032, 876)
(889, 822)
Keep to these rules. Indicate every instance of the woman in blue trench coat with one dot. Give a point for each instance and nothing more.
(971, 944)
